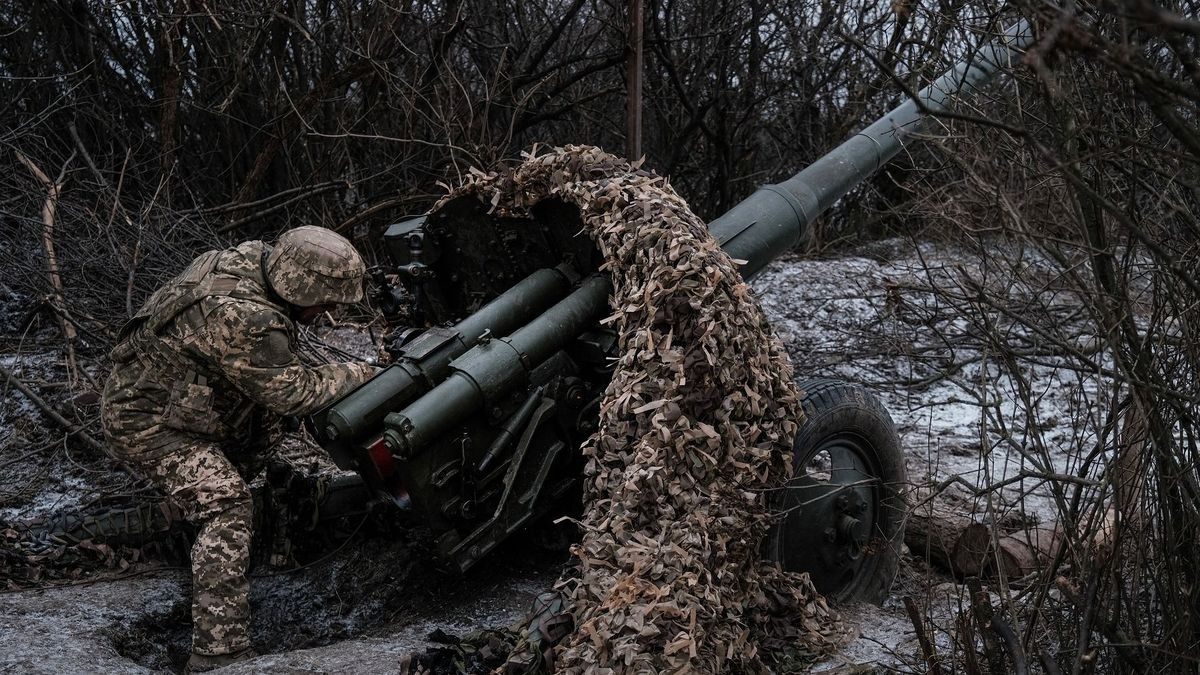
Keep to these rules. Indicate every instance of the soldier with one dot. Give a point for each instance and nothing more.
(202, 376)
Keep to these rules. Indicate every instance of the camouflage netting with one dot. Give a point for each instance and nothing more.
(695, 430)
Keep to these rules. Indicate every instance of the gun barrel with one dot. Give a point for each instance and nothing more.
(494, 367)
(426, 360)
(757, 230)
(776, 217)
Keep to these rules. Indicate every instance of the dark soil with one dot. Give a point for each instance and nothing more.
(372, 586)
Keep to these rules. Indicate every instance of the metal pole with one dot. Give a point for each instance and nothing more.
(633, 76)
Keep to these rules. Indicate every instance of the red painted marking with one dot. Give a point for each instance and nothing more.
(381, 457)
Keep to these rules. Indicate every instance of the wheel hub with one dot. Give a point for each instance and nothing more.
(829, 519)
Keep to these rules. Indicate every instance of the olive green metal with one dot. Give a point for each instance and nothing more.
(509, 431)
(528, 298)
(494, 367)
(392, 386)
(423, 365)
(776, 217)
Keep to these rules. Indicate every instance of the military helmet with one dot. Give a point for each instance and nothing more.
(315, 266)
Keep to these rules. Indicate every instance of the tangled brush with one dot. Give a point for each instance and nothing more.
(695, 431)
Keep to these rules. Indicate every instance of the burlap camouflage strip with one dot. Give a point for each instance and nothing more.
(695, 430)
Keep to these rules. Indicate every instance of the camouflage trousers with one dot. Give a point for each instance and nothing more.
(214, 498)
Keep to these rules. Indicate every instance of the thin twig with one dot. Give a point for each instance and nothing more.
(1011, 644)
(30, 452)
(927, 650)
(981, 609)
(370, 211)
(1048, 663)
(74, 429)
(233, 225)
(1129, 650)
(242, 206)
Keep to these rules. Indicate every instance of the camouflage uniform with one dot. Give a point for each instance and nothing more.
(201, 379)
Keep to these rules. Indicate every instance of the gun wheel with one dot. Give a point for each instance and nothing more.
(842, 514)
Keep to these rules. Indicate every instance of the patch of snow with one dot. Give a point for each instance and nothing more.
(842, 319)
(958, 409)
(66, 493)
(65, 630)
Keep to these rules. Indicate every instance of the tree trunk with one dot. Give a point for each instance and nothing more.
(946, 538)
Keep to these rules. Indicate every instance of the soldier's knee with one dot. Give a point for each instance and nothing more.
(224, 538)
(238, 508)
(228, 498)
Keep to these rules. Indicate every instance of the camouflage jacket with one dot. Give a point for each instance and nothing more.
(210, 352)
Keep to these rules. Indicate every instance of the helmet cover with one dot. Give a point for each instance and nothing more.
(315, 266)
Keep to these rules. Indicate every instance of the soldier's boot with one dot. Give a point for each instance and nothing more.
(200, 663)
(548, 623)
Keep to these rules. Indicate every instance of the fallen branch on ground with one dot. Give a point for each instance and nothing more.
(71, 427)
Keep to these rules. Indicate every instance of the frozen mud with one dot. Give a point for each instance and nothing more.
(359, 613)
(69, 630)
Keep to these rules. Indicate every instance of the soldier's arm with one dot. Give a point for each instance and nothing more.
(251, 347)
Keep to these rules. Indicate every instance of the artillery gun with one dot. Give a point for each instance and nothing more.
(473, 427)
(476, 422)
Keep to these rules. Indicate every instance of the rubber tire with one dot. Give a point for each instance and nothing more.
(832, 408)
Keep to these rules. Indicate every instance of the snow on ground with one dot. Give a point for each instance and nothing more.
(846, 319)
(68, 630)
(959, 414)
(863, 318)
(62, 491)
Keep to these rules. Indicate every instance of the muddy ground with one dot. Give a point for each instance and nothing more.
(376, 596)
